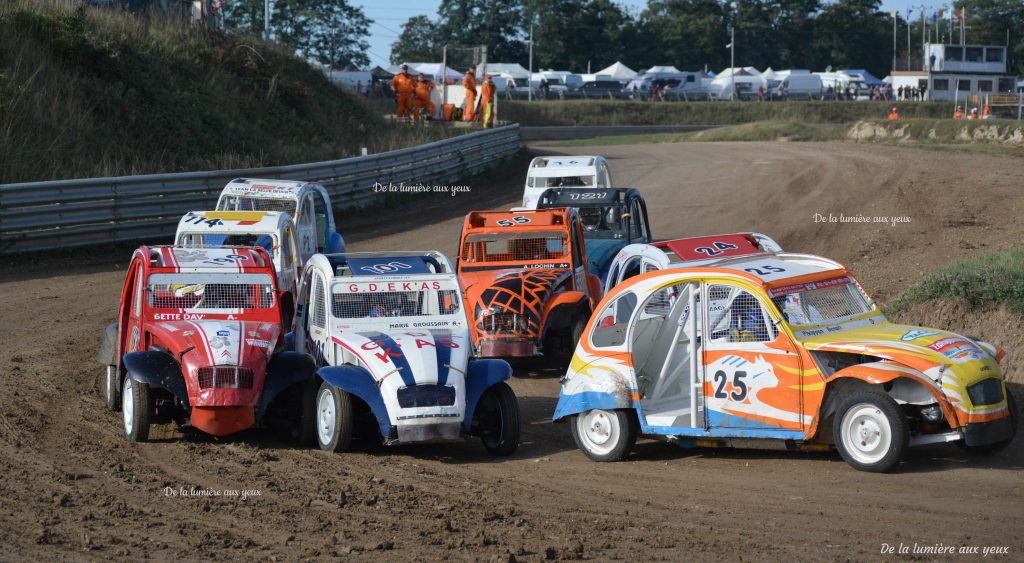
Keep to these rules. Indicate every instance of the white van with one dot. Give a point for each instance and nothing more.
(564, 172)
(800, 86)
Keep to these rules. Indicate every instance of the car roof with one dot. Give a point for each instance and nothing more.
(208, 259)
(267, 188)
(552, 217)
(562, 162)
(386, 264)
(235, 221)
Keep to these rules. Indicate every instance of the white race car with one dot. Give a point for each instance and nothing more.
(390, 334)
(307, 202)
(637, 259)
(545, 172)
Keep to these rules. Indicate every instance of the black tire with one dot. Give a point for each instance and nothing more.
(619, 430)
(563, 346)
(870, 431)
(576, 334)
(302, 431)
(498, 420)
(137, 410)
(994, 448)
(112, 388)
(334, 418)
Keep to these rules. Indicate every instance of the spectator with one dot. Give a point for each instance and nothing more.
(922, 89)
(760, 93)
(543, 87)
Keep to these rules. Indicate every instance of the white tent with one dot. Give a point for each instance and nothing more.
(747, 81)
(768, 74)
(618, 71)
(665, 69)
(432, 70)
(512, 70)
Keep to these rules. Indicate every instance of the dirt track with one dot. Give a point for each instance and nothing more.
(71, 487)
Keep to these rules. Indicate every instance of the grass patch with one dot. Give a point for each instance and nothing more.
(992, 279)
(628, 112)
(91, 92)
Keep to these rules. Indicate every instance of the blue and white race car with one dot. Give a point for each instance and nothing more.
(390, 336)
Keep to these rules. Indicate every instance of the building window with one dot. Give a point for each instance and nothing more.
(954, 53)
(940, 84)
(1006, 85)
(984, 85)
(974, 54)
(963, 85)
(994, 54)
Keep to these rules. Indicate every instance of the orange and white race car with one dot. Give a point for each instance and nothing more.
(776, 346)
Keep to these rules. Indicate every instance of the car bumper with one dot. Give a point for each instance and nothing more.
(444, 431)
(991, 432)
(506, 348)
(222, 421)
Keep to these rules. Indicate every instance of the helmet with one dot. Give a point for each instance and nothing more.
(590, 217)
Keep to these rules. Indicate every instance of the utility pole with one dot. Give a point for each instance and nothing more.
(732, 60)
(444, 78)
(529, 79)
(893, 15)
(909, 11)
(266, 20)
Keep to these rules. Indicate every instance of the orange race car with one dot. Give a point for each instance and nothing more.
(527, 284)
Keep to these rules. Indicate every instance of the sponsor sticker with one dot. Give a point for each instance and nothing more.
(917, 333)
(258, 343)
(800, 287)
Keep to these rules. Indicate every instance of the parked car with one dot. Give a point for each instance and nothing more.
(600, 89)
(583, 171)
(612, 219)
(199, 341)
(307, 202)
(528, 287)
(274, 231)
(776, 346)
(390, 336)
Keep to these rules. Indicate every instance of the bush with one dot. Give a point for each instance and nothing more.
(995, 278)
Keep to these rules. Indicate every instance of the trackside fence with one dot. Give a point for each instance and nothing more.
(69, 213)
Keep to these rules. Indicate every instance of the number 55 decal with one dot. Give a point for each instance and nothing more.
(517, 220)
(739, 387)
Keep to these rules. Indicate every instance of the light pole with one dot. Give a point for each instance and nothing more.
(529, 79)
(266, 20)
(732, 61)
(893, 15)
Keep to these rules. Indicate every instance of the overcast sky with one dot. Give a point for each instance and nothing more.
(389, 15)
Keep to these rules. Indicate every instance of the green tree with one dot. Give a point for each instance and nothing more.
(418, 41)
(853, 34)
(570, 34)
(688, 33)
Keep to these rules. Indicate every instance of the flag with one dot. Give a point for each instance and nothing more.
(935, 17)
(960, 15)
(893, 13)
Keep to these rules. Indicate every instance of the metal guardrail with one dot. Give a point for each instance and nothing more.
(69, 213)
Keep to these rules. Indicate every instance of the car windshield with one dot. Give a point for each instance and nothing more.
(355, 299)
(249, 203)
(193, 292)
(821, 302)
(562, 182)
(604, 222)
(266, 240)
(523, 246)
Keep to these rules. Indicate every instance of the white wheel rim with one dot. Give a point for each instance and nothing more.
(326, 419)
(867, 435)
(599, 430)
(128, 409)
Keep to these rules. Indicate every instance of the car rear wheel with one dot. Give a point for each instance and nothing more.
(871, 432)
(112, 389)
(605, 435)
(136, 410)
(994, 448)
(498, 420)
(334, 418)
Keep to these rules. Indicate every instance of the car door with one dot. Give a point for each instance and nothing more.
(579, 263)
(130, 318)
(751, 369)
(306, 228)
(316, 321)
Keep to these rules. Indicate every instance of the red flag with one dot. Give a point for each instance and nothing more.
(960, 15)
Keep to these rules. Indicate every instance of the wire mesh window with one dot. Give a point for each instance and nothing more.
(179, 291)
(265, 240)
(248, 203)
(394, 304)
(823, 302)
(661, 301)
(734, 315)
(515, 247)
(319, 314)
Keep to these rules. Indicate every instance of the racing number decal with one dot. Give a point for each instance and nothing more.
(719, 247)
(199, 220)
(765, 270)
(739, 387)
(517, 220)
(589, 196)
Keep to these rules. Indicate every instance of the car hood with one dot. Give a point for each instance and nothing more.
(523, 291)
(600, 253)
(215, 343)
(399, 358)
(930, 351)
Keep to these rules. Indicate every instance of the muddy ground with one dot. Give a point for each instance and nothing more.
(72, 488)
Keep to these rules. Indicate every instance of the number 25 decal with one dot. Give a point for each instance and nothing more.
(517, 220)
(739, 388)
(719, 247)
(765, 270)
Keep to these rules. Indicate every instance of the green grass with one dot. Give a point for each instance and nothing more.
(991, 279)
(628, 112)
(89, 92)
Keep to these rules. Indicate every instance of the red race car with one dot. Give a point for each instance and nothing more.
(199, 340)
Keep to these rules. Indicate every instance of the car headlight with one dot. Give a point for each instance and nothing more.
(986, 392)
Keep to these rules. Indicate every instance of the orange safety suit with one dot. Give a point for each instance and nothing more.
(486, 101)
(985, 112)
(469, 83)
(404, 86)
(893, 116)
(422, 99)
(958, 114)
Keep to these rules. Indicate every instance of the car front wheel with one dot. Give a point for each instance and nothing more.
(498, 420)
(334, 418)
(871, 431)
(605, 435)
(136, 409)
